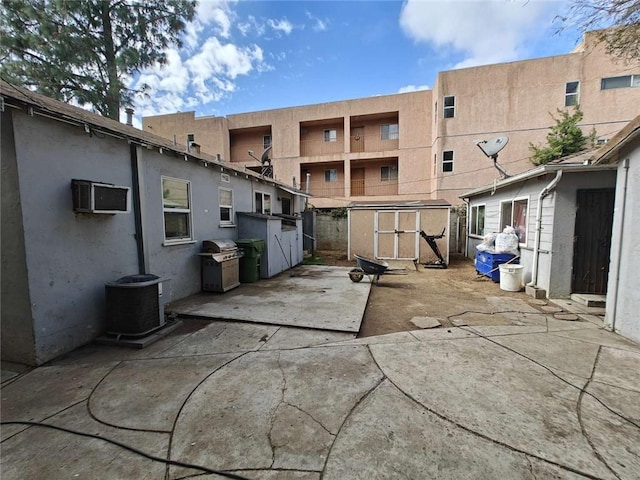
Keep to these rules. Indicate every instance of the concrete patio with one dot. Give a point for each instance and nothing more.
(536, 397)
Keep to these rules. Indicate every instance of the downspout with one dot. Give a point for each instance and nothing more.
(619, 259)
(466, 230)
(137, 214)
(536, 246)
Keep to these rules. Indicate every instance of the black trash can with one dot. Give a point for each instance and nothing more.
(135, 305)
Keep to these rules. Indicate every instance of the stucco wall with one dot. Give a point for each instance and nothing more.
(69, 257)
(17, 327)
(623, 296)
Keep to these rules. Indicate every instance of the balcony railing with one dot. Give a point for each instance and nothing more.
(360, 189)
(239, 153)
(309, 148)
(371, 143)
(327, 190)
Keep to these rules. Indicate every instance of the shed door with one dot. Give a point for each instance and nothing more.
(592, 241)
(396, 234)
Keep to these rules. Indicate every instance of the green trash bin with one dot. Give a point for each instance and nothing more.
(253, 249)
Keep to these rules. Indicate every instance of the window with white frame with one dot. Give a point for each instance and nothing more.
(624, 81)
(389, 173)
(262, 203)
(571, 94)
(225, 200)
(330, 175)
(331, 135)
(176, 209)
(476, 225)
(514, 214)
(449, 106)
(447, 161)
(389, 131)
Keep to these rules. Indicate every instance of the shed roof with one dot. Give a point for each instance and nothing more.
(398, 205)
(609, 153)
(36, 104)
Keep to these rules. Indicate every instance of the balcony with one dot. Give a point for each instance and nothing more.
(239, 152)
(372, 143)
(323, 190)
(360, 188)
(310, 148)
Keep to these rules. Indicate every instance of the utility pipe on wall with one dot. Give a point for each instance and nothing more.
(612, 326)
(536, 246)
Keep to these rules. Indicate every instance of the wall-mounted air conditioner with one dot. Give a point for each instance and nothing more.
(97, 197)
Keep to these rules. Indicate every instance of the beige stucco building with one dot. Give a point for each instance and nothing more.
(421, 145)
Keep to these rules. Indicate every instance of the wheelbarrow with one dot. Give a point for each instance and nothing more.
(371, 268)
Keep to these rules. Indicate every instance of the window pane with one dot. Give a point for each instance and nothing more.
(616, 82)
(388, 173)
(176, 225)
(505, 215)
(267, 204)
(481, 220)
(331, 175)
(520, 219)
(635, 81)
(258, 198)
(449, 101)
(175, 194)
(389, 132)
(474, 220)
(225, 214)
(226, 197)
(572, 87)
(266, 140)
(330, 135)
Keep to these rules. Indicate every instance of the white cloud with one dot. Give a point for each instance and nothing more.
(319, 25)
(484, 31)
(282, 25)
(413, 88)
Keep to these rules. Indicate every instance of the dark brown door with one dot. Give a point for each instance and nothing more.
(357, 139)
(592, 241)
(357, 182)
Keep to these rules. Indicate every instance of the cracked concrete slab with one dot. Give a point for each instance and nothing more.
(40, 452)
(288, 338)
(148, 395)
(599, 337)
(314, 297)
(485, 388)
(561, 354)
(619, 368)
(223, 337)
(510, 304)
(402, 442)
(613, 437)
(249, 395)
(45, 391)
(283, 403)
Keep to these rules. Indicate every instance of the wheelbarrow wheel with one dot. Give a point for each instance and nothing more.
(356, 275)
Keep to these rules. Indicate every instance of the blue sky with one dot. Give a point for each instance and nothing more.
(243, 56)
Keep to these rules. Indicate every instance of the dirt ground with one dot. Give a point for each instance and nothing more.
(440, 293)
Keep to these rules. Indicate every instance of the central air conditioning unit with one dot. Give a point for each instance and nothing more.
(98, 197)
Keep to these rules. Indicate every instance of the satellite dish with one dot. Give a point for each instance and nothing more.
(265, 156)
(491, 147)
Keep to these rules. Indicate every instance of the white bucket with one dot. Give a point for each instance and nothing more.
(511, 277)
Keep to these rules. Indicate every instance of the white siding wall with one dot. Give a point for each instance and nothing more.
(623, 297)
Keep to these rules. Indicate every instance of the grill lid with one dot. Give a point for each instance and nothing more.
(217, 246)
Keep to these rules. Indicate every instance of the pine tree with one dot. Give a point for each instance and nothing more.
(564, 138)
(87, 49)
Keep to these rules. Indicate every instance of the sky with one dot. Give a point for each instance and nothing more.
(244, 56)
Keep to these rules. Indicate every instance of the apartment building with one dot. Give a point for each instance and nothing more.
(420, 145)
